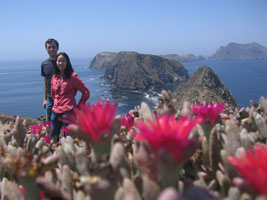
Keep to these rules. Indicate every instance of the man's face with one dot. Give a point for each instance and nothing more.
(51, 49)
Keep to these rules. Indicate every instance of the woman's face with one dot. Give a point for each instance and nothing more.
(61, 63)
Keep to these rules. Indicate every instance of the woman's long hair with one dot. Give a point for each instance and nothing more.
(68, 70)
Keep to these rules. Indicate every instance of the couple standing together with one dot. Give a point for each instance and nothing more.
(61, 84)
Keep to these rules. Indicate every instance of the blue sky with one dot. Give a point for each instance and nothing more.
(87, 27)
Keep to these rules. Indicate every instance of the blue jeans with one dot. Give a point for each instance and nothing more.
(57, 124)
(49, 105)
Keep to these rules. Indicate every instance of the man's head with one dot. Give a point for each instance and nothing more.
(51, 46)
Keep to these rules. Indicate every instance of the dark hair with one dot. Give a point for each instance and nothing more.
(50, 40)
(68, 70)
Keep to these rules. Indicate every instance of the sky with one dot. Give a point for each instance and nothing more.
(84, 28)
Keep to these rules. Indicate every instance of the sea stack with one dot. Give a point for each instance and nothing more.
(203, 86)
(134, 71)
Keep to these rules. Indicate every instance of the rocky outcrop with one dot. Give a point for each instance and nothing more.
(234, 51)
(184, 57)
(203, 86)
(134, 71)
(102, 60)
(6, 118)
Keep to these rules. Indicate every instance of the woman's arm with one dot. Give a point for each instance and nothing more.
(52, 88)
(79, 85)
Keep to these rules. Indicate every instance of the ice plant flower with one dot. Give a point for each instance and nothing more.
(170, 140)
(208, 112)
(252, 167)
(36, 129)
(226, 117)
(47, 124)
(65, 129)
(21, 189)
(96, 120)
(42, 195)
(127, 121)
(47, 139)
(166, 134)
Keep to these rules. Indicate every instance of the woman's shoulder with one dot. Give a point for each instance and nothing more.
(74, 75)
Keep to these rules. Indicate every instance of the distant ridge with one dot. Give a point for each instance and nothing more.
(204, 85)
(235, 51)
(183, 57)
(232, 51)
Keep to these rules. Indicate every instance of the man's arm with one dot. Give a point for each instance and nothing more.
(45, 93)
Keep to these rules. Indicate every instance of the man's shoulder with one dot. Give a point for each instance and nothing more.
(47, 68)
(47, 61)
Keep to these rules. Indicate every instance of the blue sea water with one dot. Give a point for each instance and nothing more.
(21, 85)
(21, 88)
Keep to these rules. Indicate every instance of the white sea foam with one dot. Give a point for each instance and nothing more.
(122, 104)
(123, 97)
(92, 79)
(80, 67)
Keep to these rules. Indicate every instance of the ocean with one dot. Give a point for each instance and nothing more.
(21, 84)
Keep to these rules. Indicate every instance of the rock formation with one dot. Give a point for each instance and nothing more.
(102, 60)
(134, 71)
(234, 51)
(204, 85)
(6, 118)
(184, 57)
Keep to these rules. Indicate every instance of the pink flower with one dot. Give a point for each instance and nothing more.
(166, 134)
(208, 111)
(66, 129)
(36, 129)
(127, 121)
(42, 195)
(47, 123)
(252, 166)
(21, 189)
(47, 139)
(226, 117)
(96, 120)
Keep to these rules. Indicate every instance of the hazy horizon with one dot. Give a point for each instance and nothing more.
(85, 28)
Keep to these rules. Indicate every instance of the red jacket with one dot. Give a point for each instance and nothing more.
(64, 91)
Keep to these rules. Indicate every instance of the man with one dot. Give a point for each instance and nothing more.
(47, 71)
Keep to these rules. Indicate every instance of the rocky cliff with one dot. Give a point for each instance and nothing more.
(134, 71)
(102, 60)
(234, 51)
(184, 57)
(204, 85)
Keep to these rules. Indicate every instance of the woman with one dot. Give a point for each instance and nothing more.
(64, 86)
